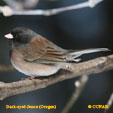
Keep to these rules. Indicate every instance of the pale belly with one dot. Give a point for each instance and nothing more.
(31, 68)
(36, 69)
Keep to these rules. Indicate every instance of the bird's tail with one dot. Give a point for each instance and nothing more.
(74, 54)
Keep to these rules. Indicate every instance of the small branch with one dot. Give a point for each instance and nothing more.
(6, 68)
(79, 88)
(21, 4)
(76, 69)
(110, 103)
(13, 4)
(9, 11)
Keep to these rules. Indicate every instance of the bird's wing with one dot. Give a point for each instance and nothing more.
(43, 51)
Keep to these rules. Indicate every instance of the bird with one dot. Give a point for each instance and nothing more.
(34, 55)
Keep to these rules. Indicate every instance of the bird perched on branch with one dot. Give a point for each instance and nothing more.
(34, 55)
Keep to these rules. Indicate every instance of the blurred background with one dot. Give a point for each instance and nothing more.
(79, 29)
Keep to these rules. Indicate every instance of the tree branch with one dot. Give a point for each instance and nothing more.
(76, 69)
(8, 11)
(6, 68)
(21, 4)
(78, 90)
(110, 104)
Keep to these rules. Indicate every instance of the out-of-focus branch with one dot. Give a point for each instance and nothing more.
(79, 88)
(6, 68)
(74, 70)
(8, 11)
(110, 104)
(21, 4)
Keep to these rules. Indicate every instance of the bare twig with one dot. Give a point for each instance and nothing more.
(79, 88)
(92, 3)
(85, 68)
(110, 103)
(48, 12)
(21, 4)
(6, 68)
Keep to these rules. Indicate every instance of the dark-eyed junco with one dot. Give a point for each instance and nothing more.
(34, 55)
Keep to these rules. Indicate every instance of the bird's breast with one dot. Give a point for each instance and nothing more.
(32, 68)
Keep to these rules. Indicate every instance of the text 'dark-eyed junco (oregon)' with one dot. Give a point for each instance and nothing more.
(34, 55)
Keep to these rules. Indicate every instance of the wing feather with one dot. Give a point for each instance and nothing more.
(42, 50)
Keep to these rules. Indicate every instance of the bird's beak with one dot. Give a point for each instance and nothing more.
(9, 36)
